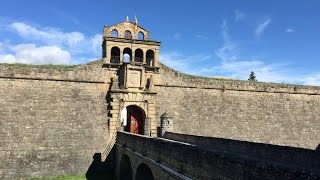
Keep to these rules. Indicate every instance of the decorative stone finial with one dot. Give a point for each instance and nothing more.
(127, 19)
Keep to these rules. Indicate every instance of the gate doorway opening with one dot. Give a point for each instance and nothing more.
(135, 120)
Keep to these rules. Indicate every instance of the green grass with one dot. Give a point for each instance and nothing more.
(74, 177)
(44, 66)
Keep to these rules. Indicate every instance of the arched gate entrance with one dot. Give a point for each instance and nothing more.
(135, 120)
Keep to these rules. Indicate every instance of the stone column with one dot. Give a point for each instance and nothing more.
(156, 58)
(121, 56)
(144, 57)
(133, 54)
(108, 54)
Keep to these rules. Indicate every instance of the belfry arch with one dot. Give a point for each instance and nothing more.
(138, 55)
(127, 55)
(115, 55)
(135, 46)
(150, 58)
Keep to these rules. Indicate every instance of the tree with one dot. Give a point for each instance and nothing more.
(252, 77)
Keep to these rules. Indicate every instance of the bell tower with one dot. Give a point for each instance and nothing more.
(127, 42)
(127, 49)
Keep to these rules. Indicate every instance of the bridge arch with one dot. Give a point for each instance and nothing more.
(135, 120)
(125, 168)
(144, 173)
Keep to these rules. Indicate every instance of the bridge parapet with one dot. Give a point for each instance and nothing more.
(168, 156)
(284, 155)
(179, 160)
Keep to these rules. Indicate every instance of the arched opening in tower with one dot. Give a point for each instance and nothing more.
(150, 58)
(140, 36)
(115, 55)
(138, 55)
(114, 33)
(127, 34)
(127, 54)
(144, 173)
(135, 120)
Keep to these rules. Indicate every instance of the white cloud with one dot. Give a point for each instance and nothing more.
(290, 30)
(225, 35)
(261, 27)
(182, 63)
(312, 79)
(95, 43)
(48, 35)
(230, 64)
(7, 58)
(199, 36)
(233, 66)
(173, 60)
(74, 41)
(31, 54)
(238, 15)
(60, 47)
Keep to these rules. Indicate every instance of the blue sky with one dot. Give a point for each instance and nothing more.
(278, 40)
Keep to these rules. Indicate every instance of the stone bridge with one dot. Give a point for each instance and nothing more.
(143, 157)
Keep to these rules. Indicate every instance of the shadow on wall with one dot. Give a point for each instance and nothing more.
(101, 170)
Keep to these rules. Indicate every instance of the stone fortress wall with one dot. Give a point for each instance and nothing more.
(52, 120)
(270, 113)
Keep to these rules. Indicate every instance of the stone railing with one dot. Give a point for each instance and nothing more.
(274, 154)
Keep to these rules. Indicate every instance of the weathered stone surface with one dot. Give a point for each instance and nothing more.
(50, 128)
(287, 115)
